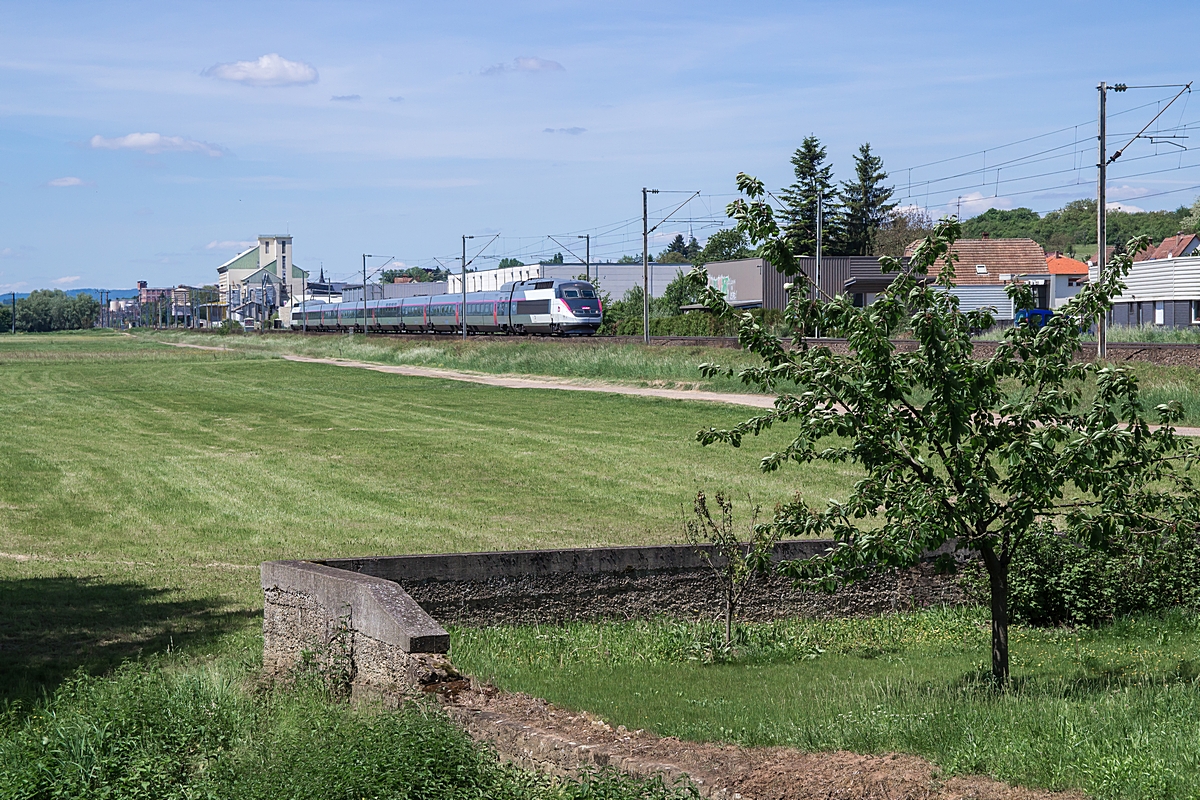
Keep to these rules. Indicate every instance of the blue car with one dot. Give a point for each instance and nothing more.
(1035, 317)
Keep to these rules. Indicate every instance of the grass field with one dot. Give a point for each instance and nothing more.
(1112, 711)
(600, 361)
(144, 484)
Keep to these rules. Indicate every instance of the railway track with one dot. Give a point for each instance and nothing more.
(1151, 352)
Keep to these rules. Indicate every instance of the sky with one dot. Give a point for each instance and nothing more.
(154, 141)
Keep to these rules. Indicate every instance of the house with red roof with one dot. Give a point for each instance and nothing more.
(984, 267)
(1067, 277)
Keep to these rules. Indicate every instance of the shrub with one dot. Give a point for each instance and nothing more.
(1056, 582)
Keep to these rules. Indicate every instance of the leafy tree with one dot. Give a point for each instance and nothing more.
(901, 228)
(628, 259)
(510, 262)
(865, 203)
(1191, 223)
(418, 274)
(986, 455)
(55, 310)
(557, 258)
(727, 245)
(681, 291)
(5, 318)
(813, 177)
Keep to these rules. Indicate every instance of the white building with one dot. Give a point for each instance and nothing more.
(256, 283)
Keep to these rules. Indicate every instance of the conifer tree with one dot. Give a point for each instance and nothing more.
(865, 205)
(813, 177)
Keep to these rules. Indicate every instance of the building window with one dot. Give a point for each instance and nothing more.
(1160, 313)
(1196, 312)
(981, 269)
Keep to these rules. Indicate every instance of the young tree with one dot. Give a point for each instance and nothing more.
(813, 177)
(510, 262)
(865, 203)
(902, 227)
(985, 453)
(734, 564)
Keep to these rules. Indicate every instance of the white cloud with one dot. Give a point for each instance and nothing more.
(568, 131)
(346, 98)
(269, 70)
(155, 143)
(976, 203)
(228, 245)
(396, 99)
(68, 279)
(1123, 207)
(66, 182)
(1126, 192)
(525, 64)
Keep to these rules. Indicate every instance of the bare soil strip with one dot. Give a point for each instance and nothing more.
(536, 734)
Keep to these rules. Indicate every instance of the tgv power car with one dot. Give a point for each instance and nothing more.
(538, 305)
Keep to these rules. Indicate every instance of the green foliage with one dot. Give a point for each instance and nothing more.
(679, 252)
(147, 732)
(228, 326)
(724, 245)
(1056, 582)
(505, 263)
(865, 203)
(628, 259)
(799, 215)
(679, 292)
(734, 565)
(5, 317)
(1075, 224)
(557, 258)
(418, 274)
(989, 454)
(1191, 223)
(54, 310)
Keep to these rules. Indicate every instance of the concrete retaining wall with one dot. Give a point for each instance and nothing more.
(372, 623)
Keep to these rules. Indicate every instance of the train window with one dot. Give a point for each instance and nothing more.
(544, 285)
(586, 293)
(570, 293)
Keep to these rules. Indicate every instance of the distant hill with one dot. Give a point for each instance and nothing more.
(113, 294)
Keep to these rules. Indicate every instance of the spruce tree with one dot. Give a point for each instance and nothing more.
(813, 177)
(865, 203)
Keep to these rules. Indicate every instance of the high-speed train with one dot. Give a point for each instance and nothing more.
(537, 305)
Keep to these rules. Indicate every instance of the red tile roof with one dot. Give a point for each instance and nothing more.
(1178, 245)
(1061, 265)
(999, 256)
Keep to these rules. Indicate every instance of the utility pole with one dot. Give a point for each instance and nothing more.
(587, 259)
(1101, 220)
(364, 294)
(464, 285)
(646, 267)
(820, 222)
(1102, 178)
(14, 319)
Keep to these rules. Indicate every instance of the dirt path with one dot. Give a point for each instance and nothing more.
(564, 384)
(540, 382)
(538, 735)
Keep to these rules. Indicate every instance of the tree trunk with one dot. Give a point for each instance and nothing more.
(728, 623)
(998, 583)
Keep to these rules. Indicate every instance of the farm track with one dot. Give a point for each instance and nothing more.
(1154, 353)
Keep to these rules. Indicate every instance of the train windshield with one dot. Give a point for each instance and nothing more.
(578, 291)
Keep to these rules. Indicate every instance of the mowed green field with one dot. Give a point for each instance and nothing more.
(143, 484)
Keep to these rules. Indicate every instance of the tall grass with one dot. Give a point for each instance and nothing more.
(1110, 711)
(156, 731)
(595, 359)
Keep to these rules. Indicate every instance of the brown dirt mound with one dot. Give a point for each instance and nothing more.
(539, 735)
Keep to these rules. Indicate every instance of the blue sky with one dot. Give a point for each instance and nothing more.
(395, 128)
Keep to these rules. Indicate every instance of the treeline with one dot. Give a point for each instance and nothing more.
(1075, 224)
(51, 310)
